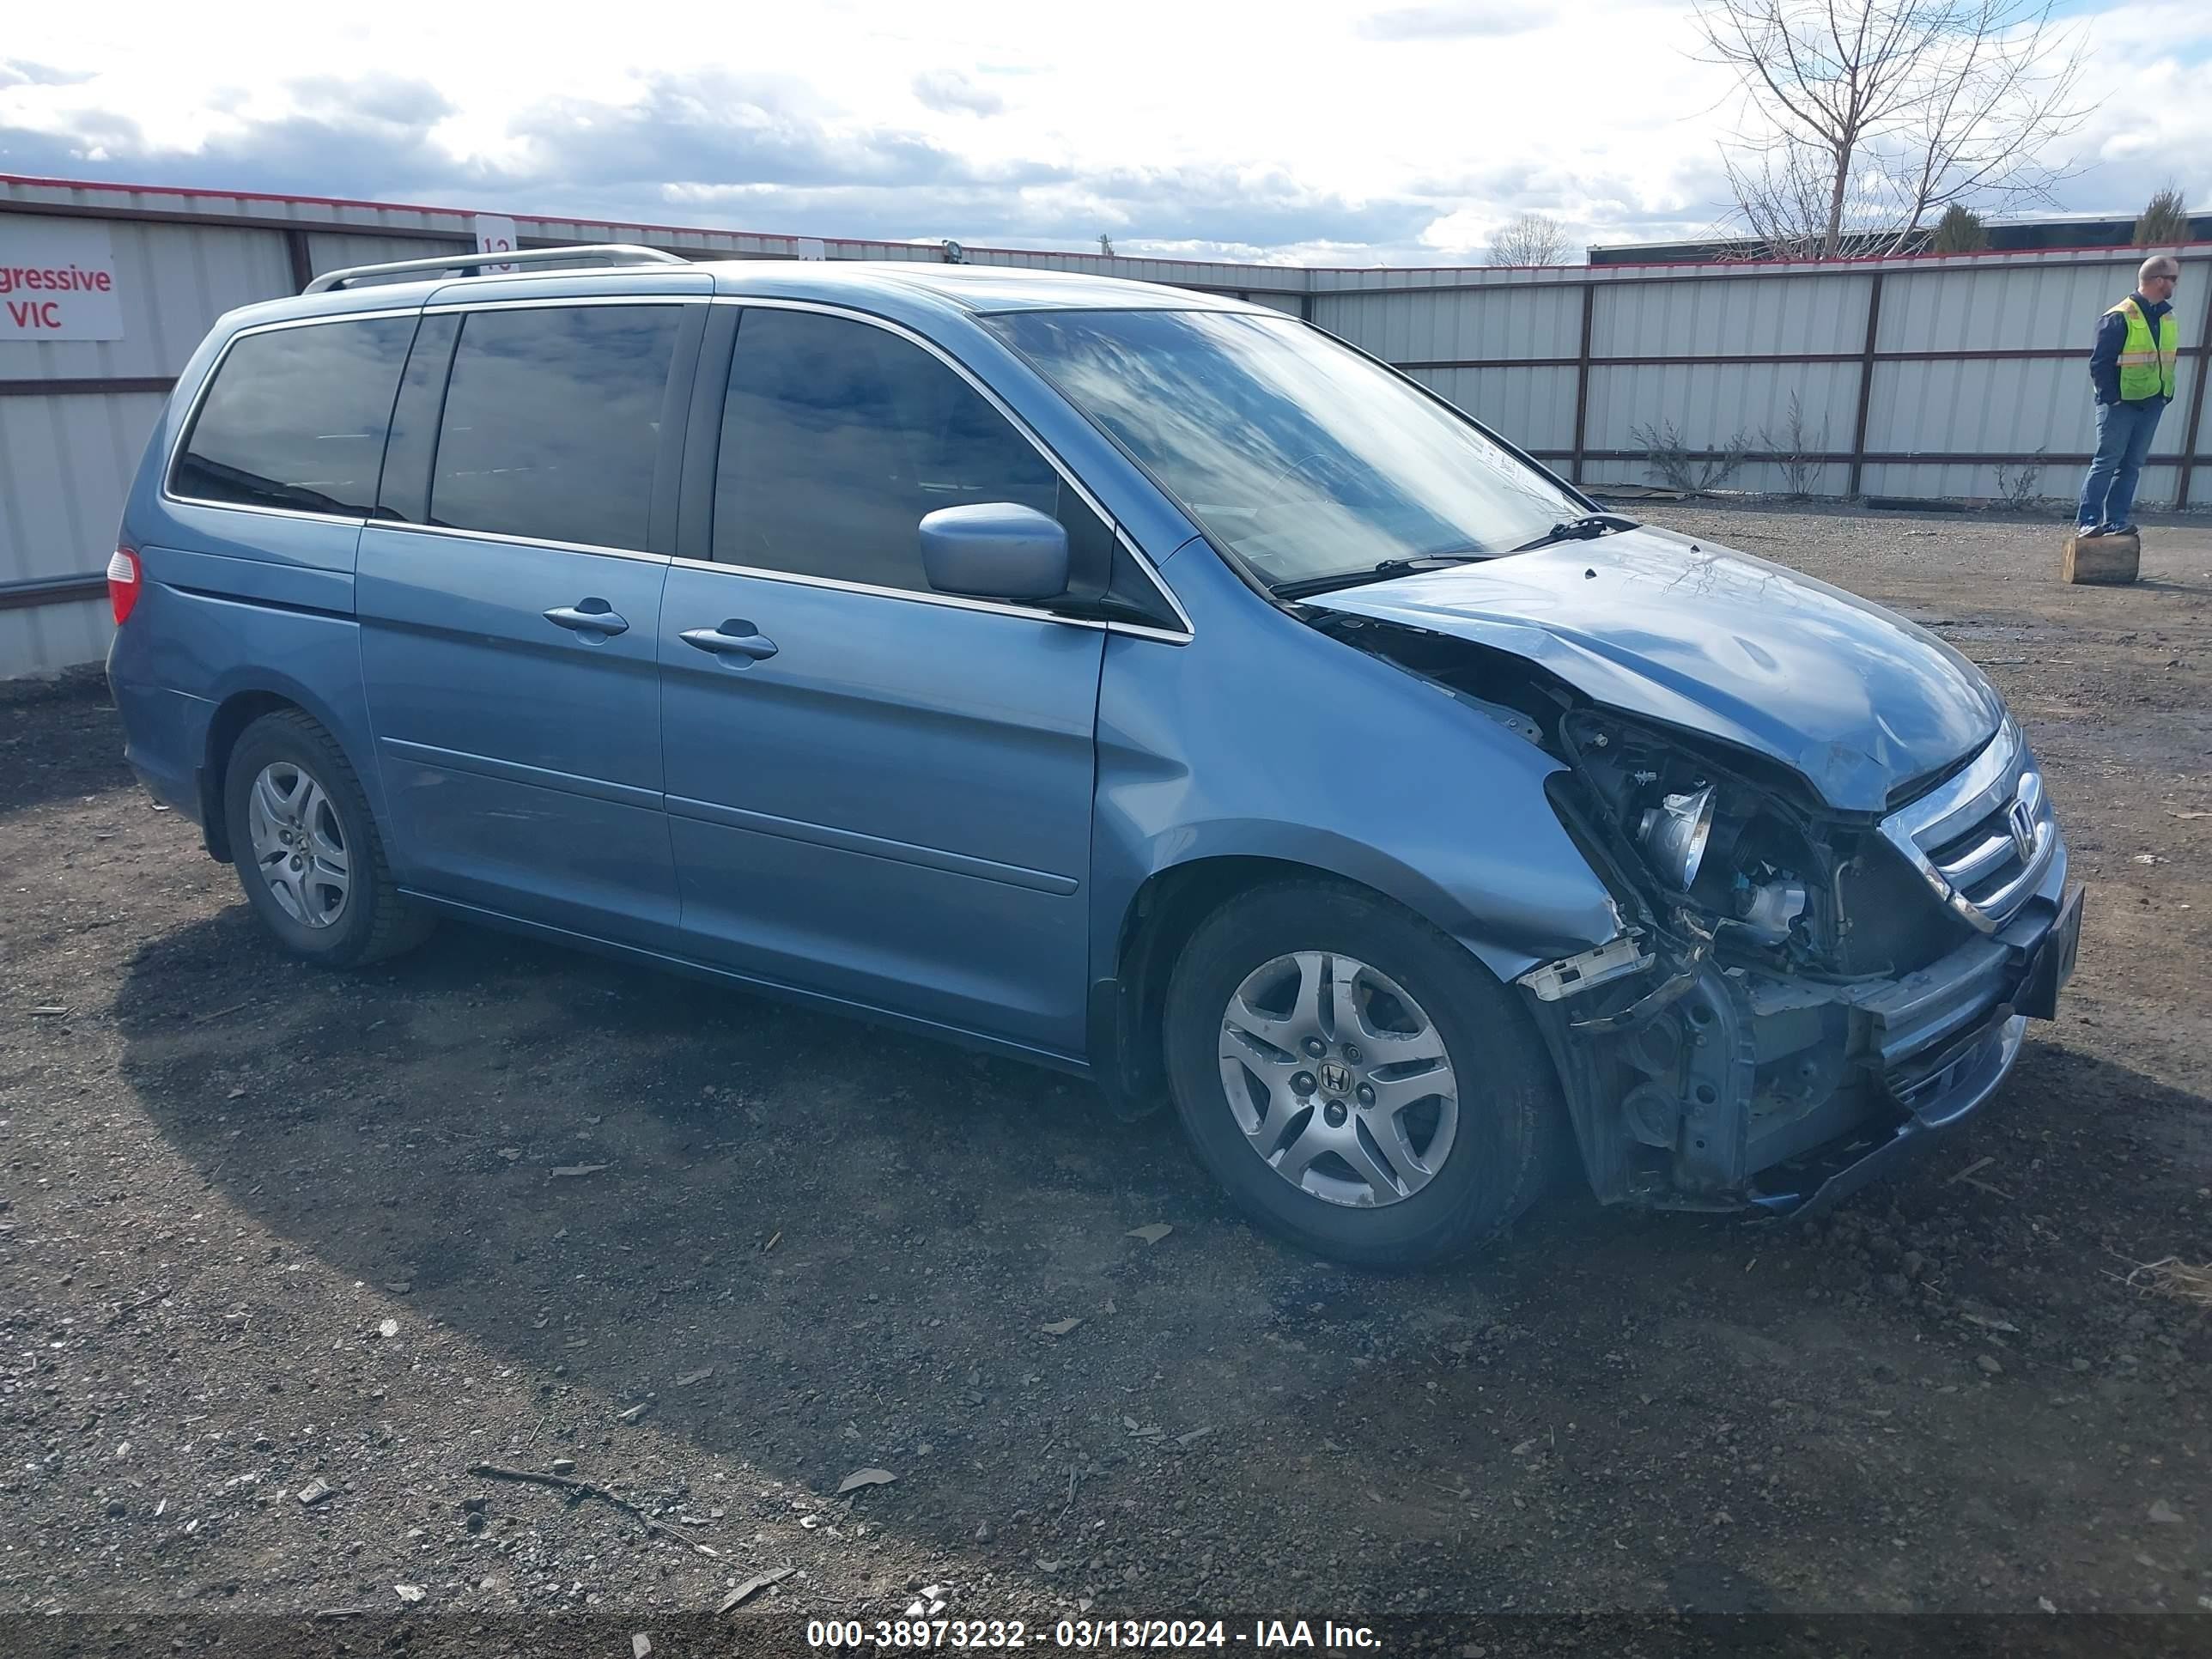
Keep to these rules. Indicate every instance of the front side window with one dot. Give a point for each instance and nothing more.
(552, 422)
(838, 438)
(296, 418)
(1302, 458)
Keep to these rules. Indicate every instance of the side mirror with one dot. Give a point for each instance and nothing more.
(994, 550)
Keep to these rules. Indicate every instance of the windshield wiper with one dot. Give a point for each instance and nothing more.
(1382, 572)
(1587, 528)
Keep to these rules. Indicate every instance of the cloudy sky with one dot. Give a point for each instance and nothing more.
(1402, 133)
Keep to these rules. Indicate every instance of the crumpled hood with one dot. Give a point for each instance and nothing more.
(1650, 623)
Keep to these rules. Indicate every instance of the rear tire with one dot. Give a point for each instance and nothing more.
(1395, 1108)
(307, 848)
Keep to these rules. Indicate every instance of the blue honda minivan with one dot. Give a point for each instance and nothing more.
(1133, 681)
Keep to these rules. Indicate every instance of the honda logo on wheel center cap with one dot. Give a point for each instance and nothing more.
(1335, 1079)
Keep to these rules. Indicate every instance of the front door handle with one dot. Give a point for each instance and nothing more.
(732, 639)
(588, 617)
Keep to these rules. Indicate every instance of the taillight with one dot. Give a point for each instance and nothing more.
(123, 584)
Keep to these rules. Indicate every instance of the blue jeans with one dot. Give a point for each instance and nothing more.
(2124, 434)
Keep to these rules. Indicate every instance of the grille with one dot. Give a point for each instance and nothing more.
(1983, 840)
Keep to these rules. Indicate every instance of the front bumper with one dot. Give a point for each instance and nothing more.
(1787, 1094)
(1934, 1091)
(1815, 1183)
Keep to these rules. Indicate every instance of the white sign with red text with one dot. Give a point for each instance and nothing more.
(494, 235)
(58, 282)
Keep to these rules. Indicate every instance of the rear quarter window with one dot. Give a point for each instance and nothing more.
(296, 418)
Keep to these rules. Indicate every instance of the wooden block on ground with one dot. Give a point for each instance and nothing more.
(2101, 559)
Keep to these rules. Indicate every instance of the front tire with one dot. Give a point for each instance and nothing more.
(1355, 1079)
(307, 848)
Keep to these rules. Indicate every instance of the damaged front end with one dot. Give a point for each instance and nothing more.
(1798, 994)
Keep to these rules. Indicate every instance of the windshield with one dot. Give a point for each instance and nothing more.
(1298, 454)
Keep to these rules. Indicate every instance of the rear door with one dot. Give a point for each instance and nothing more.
(509, 594)
(875, 790)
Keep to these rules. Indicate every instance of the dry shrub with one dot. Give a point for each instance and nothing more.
(2177, 1280)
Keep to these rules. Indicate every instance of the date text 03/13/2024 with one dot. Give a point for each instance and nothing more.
(1091, 1634)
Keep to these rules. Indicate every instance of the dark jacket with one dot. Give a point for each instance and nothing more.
(2111, 340)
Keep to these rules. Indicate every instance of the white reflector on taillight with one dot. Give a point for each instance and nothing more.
(123, 583)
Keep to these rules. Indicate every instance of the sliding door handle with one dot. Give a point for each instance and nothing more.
(732, 639)
(588, 617)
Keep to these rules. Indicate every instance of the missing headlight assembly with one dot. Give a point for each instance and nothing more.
(1781, 885)
(1709, 839)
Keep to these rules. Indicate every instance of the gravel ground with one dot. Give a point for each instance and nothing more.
(284, 1257)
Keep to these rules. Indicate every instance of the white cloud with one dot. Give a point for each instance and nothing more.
(2153, 127)
(1400, 132)
(948, 89)
(1456, 20)
(1463, 232)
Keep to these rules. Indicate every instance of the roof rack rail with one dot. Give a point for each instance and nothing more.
(617, 253)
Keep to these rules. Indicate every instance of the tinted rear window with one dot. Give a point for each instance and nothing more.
(296, 418)
(552, 422)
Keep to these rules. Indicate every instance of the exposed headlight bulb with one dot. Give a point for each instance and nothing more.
(1675, 834)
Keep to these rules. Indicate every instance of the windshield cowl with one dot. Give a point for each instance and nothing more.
(1589, 527)
(1380, 572)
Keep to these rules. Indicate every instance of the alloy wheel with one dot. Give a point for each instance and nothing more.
(299, 844)
(1338, 1079)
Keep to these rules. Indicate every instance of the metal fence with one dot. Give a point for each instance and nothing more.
(1914, 378)
(1925, 377)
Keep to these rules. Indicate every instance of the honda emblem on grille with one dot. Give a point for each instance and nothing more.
(2021, 824)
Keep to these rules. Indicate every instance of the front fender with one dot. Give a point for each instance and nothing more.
(1263, 737)
(1506, 933)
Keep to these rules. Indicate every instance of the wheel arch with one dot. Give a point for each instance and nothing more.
(1128, 1006)
(237, 707)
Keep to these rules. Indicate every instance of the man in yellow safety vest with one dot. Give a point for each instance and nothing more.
(2132, 368)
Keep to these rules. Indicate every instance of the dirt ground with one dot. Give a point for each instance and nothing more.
(264, 1229)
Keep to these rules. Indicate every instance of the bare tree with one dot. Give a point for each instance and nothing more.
(1785, 196)
(2001, 94)
(1534, 239)
(1869, 115)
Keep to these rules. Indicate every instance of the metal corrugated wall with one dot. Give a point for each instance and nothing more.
(66, 459)
(66, 466)
(1571, 364)
(1457, 325)
(1720, 352)
(1533, 408)
(1710, 404)
(334, 251)
(2021, 406)
(1731, 317)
